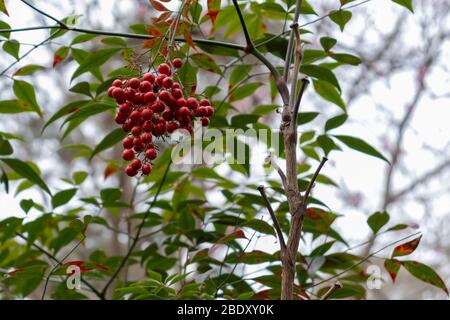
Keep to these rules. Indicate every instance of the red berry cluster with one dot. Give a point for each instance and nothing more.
(153, 106)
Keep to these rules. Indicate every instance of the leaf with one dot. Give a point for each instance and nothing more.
(341, 17)
(327, 144)
(4, 26)
(392, 266)
(406, 248)
(12, 48)
(158, 6)
(27, 70)
(213, 11)
(88, 111)
(14, 106)
(79, 177)
(346, 58)
(109, 140)
(329, 93)
(5, 147)
(259, 225)
(3, 7)
(25, 170)
(244, 91)
(320, 73)
(405, 3)
(361, 146)
(327, 43)
(306, 117)
(335, 122)
(94, 60)
(60, 55)
(25, 92)
(205, 62)
(83, 38)
(377, 220)
(238, 234)
(68, 108)
(62, 197)
(238, 74)
(424, 273)
(26, 205)
(83, 88)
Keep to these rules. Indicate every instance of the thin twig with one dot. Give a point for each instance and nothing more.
(276, 225)
(287, 60)
(332, 290)
(313, 180)
(305, 83)
(248, 40)
(62, 24)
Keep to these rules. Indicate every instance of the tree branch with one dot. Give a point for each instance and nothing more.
(332, 290)
(248, 40)
(62, 24)
(313, 179)
(276, 225)
(287, 60)
(305, 83)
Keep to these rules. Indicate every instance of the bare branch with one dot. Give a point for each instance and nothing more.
(313, 180)
(332, 290)
(276, 225)
(288, 58)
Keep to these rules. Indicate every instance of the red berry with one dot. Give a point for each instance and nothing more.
(205, 121)
(128, 154)
(130, 171)
(164, 69)
(139, 148)
(145, 86)
(171, 127)
(151, 154)
(209, 111)
(167, 82)
(146, 138)
(139, 99)
(177, 63)
(127, 143)
(176, 85)
(189, 128)
(192, 103)
(136, 164)
(159, 129)
(157, 107)
(137, 141)
(134, 83)
(146, 169)
(127, 126)
(164, 95)
(136, 131)
(148, 126)
(149, 97)
(150, 77)
(117, 83)
(125, 109)
(119, 119)
(118, 93)
(147, 114)
(130, 94)
(167, 114)
(181, 102)
(159, 79)
(177, 93)
(184, 120)
(136, 116)
(184, 112)
(204, 102)
(201, 111)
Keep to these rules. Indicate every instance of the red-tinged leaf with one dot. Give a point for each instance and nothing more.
(110, 170)
(264, 294)
(213, 11)
(60, 55)
(158, 6)
(14, 272)
(392, 266)
(238, 234)
(3, 7)
(101, 267)
(189, 40)
(425, 273)
(406, 248)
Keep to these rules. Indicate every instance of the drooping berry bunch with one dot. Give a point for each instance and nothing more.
(151, 107)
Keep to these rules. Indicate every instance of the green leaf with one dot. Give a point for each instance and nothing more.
(114, 41)
(109, 140)
(26, 171)
(26, 205)
(306, 117)
(346, 58)
(14, 106)
(3, 7)
(62, 197)
(238, 74)
(5, 147)
(79, 177)
(320, 73)
(94, 60)
(329, 93)
(424, 273)
(341, 17)
(83, 88)
(244, 91)
(335, 122)
(83, 38)
(88, 111)
(405, 3)
(361, 146)
(205, 62)
(12, 48)
(377, 220)
(327, 144)
(4, 26)
(70, 107)
(25, 92)
(327, 43)
(260, 226)
(27, 70)
(406, 248)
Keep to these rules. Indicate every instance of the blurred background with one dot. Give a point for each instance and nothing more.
(397, 99)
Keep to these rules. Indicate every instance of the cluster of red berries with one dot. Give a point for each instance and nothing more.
(153, 106)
